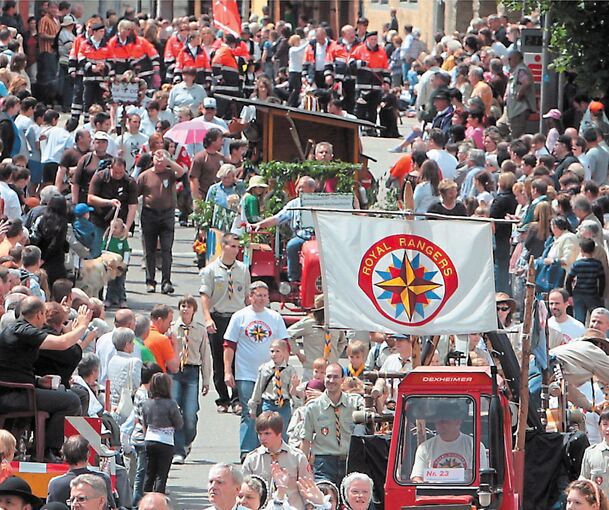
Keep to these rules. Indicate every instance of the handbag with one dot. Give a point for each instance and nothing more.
(548, 276)
(125, 404)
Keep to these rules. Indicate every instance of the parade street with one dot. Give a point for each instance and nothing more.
(217, 434)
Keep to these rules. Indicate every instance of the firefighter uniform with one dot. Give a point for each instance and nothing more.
(226, 77)
(90, 55)
(173, 46)
(196, 58)
(77, 71)
(134, 54)
(371, 68)
(334, 63)
(349, 80)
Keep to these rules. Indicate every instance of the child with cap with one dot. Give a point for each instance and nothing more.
(84, 230)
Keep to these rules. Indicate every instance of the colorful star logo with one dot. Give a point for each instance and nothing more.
(408, 286)
(258, 332)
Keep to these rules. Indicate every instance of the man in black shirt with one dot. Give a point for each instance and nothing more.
(19, 346)
(111, 188)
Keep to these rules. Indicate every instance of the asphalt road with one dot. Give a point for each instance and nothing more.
(218, 435)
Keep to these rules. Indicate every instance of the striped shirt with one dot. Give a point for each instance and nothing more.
(47, 26)
(589, 277)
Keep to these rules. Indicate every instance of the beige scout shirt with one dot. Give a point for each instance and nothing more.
(215, 279)
(320, 423)
(198, 352)
(265, 388)
(258, 462)
(595, 465)
(313, 340)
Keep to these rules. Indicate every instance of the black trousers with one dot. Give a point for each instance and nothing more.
(158, 225)
(160, 456)
(368, 111)
(295, 84)
(216, 342)
(92, 94)
(58, 403)
(76, 108)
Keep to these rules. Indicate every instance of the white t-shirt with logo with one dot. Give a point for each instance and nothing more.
(439, 454)
(570, 329)
(253, 333)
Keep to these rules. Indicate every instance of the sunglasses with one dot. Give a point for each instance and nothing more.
(504, 308)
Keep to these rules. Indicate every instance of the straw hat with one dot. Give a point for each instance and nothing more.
(502, 297)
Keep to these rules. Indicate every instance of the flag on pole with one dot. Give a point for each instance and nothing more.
(411, 277)
(226, 16)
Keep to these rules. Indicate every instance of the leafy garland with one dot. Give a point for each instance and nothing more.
(279, 173)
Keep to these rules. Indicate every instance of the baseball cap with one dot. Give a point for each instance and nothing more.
(209, 102)
(68, 20)
(596, 106)
(101, 135)
(81, 209)
(554, 113)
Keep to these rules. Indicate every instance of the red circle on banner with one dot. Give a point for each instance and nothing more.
(407, 278)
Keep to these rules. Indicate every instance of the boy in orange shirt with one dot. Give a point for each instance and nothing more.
(163, 346)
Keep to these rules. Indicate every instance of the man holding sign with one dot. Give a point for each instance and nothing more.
(447, 457)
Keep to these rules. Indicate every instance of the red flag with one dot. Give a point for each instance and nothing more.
(227, 17)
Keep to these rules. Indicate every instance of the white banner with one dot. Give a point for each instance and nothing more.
(412, 277)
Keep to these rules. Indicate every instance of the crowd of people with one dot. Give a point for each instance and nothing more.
(72, 194)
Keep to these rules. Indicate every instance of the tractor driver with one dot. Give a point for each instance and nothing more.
(449, 449)
(289, 215)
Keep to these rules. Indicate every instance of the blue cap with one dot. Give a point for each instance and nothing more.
(82, 209)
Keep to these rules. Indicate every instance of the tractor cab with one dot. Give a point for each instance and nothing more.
(451, 442)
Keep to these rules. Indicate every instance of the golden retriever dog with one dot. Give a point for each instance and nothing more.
(96, 273)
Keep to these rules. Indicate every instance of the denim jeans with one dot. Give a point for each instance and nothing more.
(140, 473)
(582, 303)
(115, 293)
(248, 439)
(285, 412)
(293, 248)
(185, 391)
(329, 467)
(96, 245)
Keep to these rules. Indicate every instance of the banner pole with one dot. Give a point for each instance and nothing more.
(406, 214)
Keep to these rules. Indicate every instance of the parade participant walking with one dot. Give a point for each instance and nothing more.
(93, 58)
(111, 188)
(193, 346)
(247, 340)
(328, 426)
(191, 55)
(224, 287)
(225, 73)
(157, 186)
(370, 65)
(206, 164)
(275, 385)
(325, 61)
(273, 449)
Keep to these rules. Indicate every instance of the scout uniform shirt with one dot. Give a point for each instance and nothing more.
(265, 388)
(321, 419)
(193, 346)
(225, 286)
(595, 464)
(259, 461)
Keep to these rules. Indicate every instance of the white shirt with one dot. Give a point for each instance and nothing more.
(23, 123)
(253, 333)
(570, 329)
(131, 143)
(437, 453)
(446, 161)
(320, 56)
(12, 206)
(56, 142)
(105, 350)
